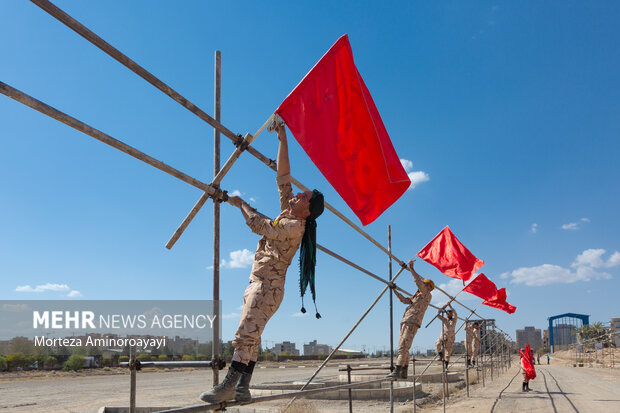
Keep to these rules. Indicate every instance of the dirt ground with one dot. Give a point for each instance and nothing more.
(558, 388)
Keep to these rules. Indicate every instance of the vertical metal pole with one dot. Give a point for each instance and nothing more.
(132, 379)
(391, 320)
(491, 352)
(349, 381)
(216, 222)
(414, 380)
(443, 379)
(467, 358)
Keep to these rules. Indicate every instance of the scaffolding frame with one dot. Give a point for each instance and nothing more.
(212, 190)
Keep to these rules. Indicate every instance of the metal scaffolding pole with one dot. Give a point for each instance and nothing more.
(215, 344)
(391, 319)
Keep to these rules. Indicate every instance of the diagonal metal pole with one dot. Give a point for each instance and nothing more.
(103, 137)
(344, 339)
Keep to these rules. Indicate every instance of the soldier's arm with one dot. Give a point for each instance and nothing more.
(419, 281)
(454, 314)
(283, 170)
(262, 225)
(401, 297)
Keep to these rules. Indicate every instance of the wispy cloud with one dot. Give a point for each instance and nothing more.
(299, 314)
(231, 315)
(452, 287)
(534, 228)
(573, 226)
(42, 288)
(74, 293)
(584, 268)
(417, 177)
(235, 192)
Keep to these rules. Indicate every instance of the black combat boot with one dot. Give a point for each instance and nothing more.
(524, 386)
(396, 373)
(446, 363)
(226, 389)
(527, 386)
(242, 391)
(440, 355)
(468, 363)
(403, 372)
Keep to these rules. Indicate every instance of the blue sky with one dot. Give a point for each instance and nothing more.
(508, 112)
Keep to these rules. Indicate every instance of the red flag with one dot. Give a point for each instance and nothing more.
(450, 257)
(527, 362)
(334, 119)
(499, 302)
(482, 287)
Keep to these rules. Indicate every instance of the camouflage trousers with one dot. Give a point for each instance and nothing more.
(445, 344)
(473, 347)
(405, 338)
(260, 302)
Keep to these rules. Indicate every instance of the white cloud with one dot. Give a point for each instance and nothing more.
(235, 192)
(74, 293)
(252, 199)
(504, 275)
(231, 315)
(417, 177)
(452, 287)
(42, 288)
(534, 228)
(299, 314)
(585, 266)
(239, 259)
(573, 226)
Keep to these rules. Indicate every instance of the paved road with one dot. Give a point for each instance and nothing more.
(556, 389)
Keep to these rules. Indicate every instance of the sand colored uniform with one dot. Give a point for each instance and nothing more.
(473, 341)
(412, 319)
(280, 241)
(445, 342)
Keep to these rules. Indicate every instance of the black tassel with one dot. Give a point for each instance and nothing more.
(317, 315)
(303, 310)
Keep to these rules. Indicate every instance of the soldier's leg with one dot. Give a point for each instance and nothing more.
(448, 345)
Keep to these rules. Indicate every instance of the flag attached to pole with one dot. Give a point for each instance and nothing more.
(450, 256)
(482, 287)
(499, 302)
(334, 118)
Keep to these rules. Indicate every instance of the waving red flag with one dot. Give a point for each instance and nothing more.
(334, 119)
(450, 257)
(527, 362)
(482, 287)
(499, 302)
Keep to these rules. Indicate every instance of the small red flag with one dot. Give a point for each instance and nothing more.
(334, 119)
(482, 287)
(450, 257)
(499, 302)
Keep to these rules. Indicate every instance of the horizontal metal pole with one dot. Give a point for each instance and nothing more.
(83, 31)
(169, 364)
(100, 136)
(304, 393)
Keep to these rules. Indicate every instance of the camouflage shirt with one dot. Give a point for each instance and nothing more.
(280, 241)
(448, 326)
(417, 304)
(472, 333)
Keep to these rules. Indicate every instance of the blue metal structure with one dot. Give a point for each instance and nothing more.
(569, 319)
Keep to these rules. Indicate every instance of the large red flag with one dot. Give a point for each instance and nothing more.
(499, 302)
(450, 257)
(333, 117)
(482, 287)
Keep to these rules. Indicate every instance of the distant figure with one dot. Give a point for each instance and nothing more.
(538, 359)
(473, 342)
(527, 367)
(445, 342)
(547, 358)
(411, 321)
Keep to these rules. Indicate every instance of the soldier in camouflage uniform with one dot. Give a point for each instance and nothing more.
(473, 342)
(280, 240)
(411, 321)
(446, 340)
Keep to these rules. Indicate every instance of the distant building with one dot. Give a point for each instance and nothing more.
(563, 330)
(430, 352)
(458, 348)
(546, 338)
(285, 347)
(531, 336)
(314, 349)
(614, 327)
